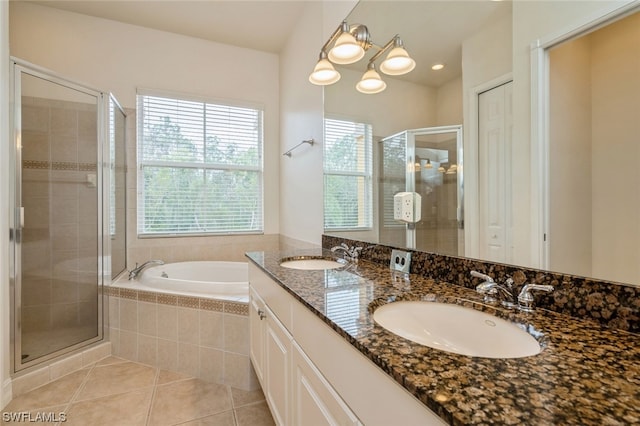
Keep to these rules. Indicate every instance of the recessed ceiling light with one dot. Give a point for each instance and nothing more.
(437, 67)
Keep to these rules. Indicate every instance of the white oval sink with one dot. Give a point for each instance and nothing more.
(310, 263)
(454, 328)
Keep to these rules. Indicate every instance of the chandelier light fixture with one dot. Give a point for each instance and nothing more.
(347, 45)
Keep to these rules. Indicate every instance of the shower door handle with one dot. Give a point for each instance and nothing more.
(15, 233)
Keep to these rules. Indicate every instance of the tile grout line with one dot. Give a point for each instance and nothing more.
(233, 406)
(79, 390)
(153, 395)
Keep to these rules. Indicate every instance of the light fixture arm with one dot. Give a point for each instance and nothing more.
(343, 27)
(360, 33)
(394, 42)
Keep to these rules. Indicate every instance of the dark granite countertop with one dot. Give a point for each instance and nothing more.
(586, 374)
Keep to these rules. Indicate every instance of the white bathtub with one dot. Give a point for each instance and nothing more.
(207, 279)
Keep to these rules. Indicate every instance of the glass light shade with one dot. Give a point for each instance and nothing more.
(441, 169)
(371, 83)
(428, 165)
(324, 73)
(398, 62)
(346, 50)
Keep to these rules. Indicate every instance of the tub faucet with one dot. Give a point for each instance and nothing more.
(349, 253)
(136, 271)
(491, 289)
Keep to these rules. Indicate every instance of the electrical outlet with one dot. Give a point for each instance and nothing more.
(400, 260)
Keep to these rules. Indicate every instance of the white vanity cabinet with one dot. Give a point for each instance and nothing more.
(311, 376)
(271, 357)
(315, 402)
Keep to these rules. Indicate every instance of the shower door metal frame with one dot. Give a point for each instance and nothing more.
(16, 214)
(410, 171)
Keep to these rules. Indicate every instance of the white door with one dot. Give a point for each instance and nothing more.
(494, 152)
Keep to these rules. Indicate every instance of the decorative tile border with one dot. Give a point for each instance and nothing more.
(147, 296)
(229, 307)
(59, 165)
(236, 308)
(611, 304)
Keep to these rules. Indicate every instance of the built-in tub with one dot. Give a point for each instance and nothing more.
(205, 279)
(194, 321)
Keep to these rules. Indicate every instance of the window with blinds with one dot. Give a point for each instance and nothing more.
(199, 167)
(347, 175)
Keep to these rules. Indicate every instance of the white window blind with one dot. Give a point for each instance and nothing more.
(199, 167)
(347, 175)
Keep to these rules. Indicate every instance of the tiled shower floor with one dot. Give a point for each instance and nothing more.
(115, 391)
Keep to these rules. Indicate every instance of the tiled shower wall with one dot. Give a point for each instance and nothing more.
(59, 245)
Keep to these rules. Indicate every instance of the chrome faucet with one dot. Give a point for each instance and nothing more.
(349, 253)
(136, 271)
(525, 298)
(491, 289)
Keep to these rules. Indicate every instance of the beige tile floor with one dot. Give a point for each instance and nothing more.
(118, 392)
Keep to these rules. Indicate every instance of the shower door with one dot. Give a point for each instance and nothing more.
(427, 161)
(57, 225)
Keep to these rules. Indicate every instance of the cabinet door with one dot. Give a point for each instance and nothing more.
(315, 402)
(277, 369)
(257, 329)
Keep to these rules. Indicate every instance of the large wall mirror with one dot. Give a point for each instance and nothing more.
(591, 225)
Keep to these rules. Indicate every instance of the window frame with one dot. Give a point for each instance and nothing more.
(367, 174)
(141, 163)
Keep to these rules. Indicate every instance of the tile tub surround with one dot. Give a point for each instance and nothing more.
(205, 338)
(586, 374)
(611, 304)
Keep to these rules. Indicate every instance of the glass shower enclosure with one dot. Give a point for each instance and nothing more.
(56, 215)
(426, 161)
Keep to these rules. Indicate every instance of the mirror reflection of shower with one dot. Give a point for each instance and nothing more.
(425, 161)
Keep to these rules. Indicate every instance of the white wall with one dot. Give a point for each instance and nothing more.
(401, 106)
(5, 309)
(449, 109)
(301, 209)
(301, 117)
(120, 58)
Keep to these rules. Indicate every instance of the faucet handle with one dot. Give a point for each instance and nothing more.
(525, 298)
(477, 274)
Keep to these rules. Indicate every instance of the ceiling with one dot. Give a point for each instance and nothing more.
(432, 31)
(255, 24)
